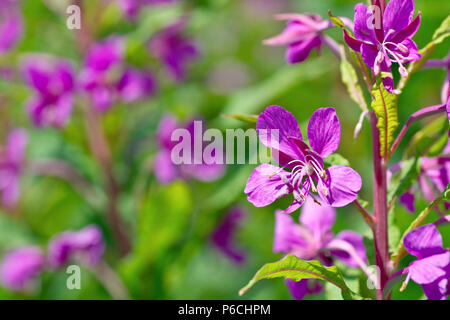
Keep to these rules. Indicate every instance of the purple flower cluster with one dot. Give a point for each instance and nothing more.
(166, 170)
(313, 239)
(22, 266)
(277, 128)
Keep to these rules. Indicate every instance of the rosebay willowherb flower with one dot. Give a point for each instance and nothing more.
(174, 49)
(20, 268)
(388, 42)
(11, 162)
(107, 79)
(10, 24)
(337, 185)
(223, 236)
(432, 268)
(53, 83)
(166, 169)
(313, 239)
(86, 246)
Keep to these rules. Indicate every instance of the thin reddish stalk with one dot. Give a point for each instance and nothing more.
(380, 231)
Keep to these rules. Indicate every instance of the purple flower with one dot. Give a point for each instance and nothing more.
(131, 8)
(390, 41)
(20, 267)
(313, 239)
(10, 24)
(107, 80)
(135, 84)
(11, 160)
(53, 85)
(434, 176)
(173, 49)
(86, 245)
(223, 236)
(432, 268)
(277, 129)
(166, 170)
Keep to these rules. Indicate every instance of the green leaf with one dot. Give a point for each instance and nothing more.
(295, 269)
(385, 107)
(400, 252)
(335, 159)
(242, 117)
(408, 175)
(350, 79)
(443, 31)
(336, 21)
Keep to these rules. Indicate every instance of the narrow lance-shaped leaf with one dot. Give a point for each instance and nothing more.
(385, 107)
(350, 79)
(400, 252)
(250, 118)
(296, 269)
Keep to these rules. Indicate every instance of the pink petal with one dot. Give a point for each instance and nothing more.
(324, 131)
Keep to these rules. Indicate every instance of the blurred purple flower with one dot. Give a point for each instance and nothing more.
(107, 80)
(10, 24)
(166, 170)
(313, 239)
(131, 8)
(20, 267)
(223, 235)
(434, 176)
(173, 49)
(86, 245)
(278, 130)
(432, 268)
(390, 41)
(135, 84)
(11, 161)
(53, 84)
(301, 36)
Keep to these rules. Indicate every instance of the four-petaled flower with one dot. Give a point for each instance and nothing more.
(54, 84)
(11, 162)
(20, 267)
(387, 40)
(432, 268)
(107, 79)
(313, 239)
(86, 245)
(173, 49)
(301, 36)
(278, 130)
(223, 235)
(166, 171)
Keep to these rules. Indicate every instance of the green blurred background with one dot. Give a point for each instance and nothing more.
(170, 225)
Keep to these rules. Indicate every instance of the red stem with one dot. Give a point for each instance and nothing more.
(380, 231)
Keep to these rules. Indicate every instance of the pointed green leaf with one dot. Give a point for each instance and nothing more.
(336, 21)
(296, 269)
(350, 79)
(385, 107)
(400, 252)
(250, 118)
